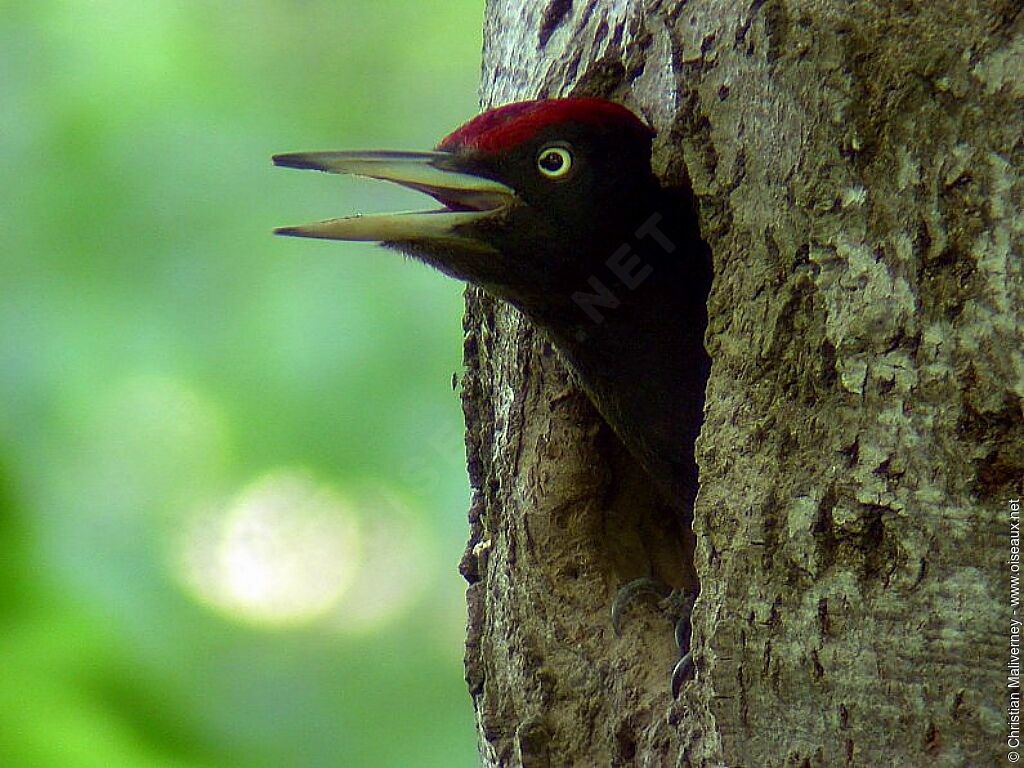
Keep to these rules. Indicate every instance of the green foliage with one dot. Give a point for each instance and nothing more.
(232, 493)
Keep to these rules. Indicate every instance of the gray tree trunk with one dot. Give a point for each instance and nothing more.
(857, 166)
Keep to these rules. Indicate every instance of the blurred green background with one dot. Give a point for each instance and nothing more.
(232, 485)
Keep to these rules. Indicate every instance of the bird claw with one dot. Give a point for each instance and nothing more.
(682, 673)
(678, 602)
(632, 591)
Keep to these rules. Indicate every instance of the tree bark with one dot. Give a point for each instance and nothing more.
(857, 171)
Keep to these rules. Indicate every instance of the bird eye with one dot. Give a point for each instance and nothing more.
(554, 162)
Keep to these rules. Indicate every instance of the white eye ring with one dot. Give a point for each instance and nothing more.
(554, 162)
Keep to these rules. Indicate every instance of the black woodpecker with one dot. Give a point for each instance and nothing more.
(552, 206)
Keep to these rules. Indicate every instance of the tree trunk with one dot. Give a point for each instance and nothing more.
(857, 171)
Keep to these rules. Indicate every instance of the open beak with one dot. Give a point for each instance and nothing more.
(466, 197)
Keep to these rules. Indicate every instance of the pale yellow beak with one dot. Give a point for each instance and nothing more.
(467, 198)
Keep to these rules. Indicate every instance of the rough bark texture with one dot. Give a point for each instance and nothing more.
(857, 166)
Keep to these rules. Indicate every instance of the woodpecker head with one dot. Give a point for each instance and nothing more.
(535, 196)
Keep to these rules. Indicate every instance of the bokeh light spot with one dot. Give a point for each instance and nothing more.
(283, 552)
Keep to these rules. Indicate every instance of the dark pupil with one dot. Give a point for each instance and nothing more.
(551, 161)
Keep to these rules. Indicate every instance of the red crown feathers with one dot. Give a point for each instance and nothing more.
(503, 127)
